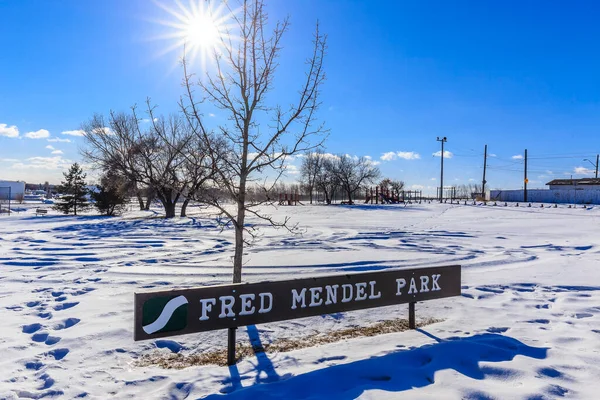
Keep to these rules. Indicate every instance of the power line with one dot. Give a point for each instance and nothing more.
(558, 157)
(466, 155)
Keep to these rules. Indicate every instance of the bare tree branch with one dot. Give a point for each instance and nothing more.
(245, 71)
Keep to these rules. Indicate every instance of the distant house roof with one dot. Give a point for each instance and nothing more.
(582, 181)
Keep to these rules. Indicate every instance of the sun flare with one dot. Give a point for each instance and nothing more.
(201, 31)
(199, 27)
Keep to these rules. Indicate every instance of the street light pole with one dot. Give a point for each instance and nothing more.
(595, 165)
(443, 140)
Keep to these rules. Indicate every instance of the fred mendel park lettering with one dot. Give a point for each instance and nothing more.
(169, 313)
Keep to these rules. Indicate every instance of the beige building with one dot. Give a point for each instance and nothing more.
(575, 184)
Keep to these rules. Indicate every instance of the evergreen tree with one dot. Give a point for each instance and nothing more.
(73, 189)
(109, 200)
(111, 197)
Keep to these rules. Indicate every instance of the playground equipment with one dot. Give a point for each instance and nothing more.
(385, 196)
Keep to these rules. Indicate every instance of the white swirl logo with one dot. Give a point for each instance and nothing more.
(164, 319)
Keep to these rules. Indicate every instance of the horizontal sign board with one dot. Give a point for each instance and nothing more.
(177, 312)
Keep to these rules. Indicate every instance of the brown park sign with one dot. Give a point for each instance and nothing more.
(178, 312)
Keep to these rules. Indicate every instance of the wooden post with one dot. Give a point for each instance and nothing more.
(483, 182)
(231, 346)
(411, 315)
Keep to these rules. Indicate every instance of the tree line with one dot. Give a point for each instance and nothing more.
(109, 197)
(234, 163)
(186, 157)
(328, 174)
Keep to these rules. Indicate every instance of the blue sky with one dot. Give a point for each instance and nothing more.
(511, 74)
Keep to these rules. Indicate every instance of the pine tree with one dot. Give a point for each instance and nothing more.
(111, 196)
(109, 200)
(73, 189)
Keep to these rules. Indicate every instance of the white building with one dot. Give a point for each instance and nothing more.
(15, 188)
(569, 191)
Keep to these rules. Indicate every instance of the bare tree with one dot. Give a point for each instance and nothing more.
(245, 67)
(149, 157)
(326, 179)
(353, 173)
(196, 171)
(312, 163)
(110, 150)
(395, 186)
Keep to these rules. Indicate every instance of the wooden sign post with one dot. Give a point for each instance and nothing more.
(178, 312)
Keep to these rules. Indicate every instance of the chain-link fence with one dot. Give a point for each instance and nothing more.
(5, 199)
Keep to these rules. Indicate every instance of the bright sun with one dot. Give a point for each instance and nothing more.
(198, 26)
(201, 31)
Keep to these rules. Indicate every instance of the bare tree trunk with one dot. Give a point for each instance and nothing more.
(149, 200)
(168, 204)
(239, 233)
(184, 207)
(349, 196)
(140, 199)
(169, 209)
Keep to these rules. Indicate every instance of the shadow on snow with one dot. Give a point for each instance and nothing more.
(114, 227)
(394, 372)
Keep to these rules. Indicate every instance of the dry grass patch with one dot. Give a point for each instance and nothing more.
(243, 350)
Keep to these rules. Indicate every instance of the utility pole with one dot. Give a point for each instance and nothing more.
(443, 140)
(525, 180)
(483, 182)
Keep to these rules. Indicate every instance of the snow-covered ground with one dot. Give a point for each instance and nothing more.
(526, 327)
